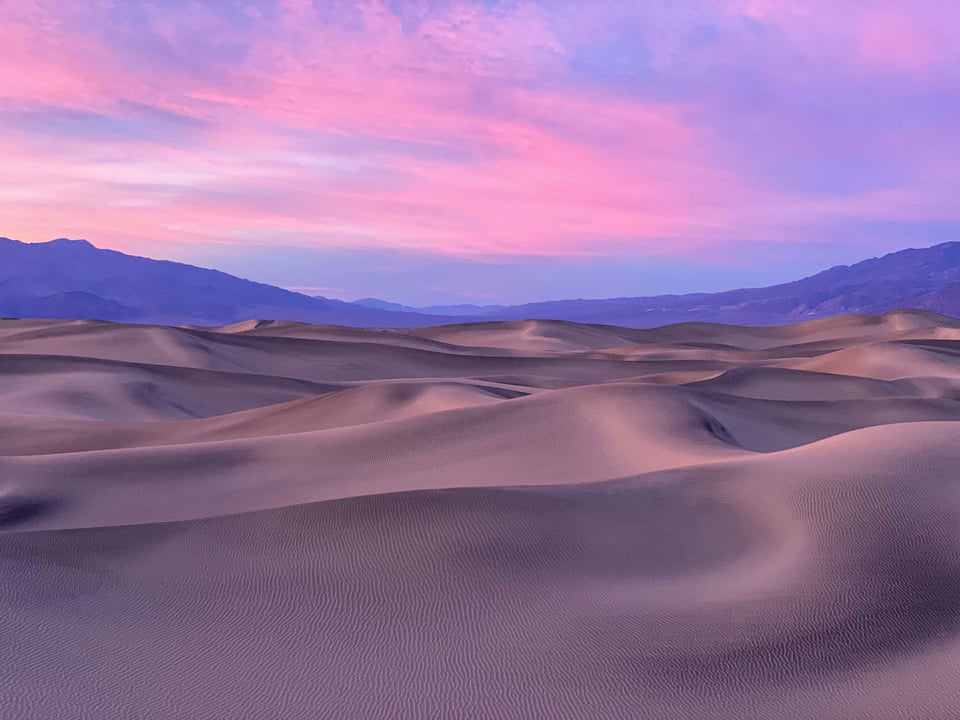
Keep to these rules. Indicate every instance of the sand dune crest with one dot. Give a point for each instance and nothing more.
(495, 520)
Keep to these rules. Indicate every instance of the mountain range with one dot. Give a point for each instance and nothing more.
(74, 279)
(461, 310)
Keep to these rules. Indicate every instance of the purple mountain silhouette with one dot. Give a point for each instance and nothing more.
(74, 279)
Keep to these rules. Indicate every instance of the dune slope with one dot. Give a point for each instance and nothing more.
(493, 520)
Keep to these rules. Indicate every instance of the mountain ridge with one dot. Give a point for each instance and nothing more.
(36, 278)
(921, 278)
(74, 279)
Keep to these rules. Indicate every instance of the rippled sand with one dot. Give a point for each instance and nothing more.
(493, 520)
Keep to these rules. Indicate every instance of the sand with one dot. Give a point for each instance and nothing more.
(489, 520)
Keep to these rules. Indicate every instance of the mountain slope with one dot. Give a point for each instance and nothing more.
(73, 279)
(926, 279)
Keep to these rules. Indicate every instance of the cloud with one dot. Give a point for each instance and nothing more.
(476, 129)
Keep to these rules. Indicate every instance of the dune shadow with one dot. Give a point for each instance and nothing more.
(16, 509)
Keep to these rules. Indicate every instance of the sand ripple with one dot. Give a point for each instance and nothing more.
(491, 521)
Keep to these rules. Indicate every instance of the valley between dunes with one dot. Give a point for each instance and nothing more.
(532, 519)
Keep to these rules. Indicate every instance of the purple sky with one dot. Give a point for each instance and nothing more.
(429, 151)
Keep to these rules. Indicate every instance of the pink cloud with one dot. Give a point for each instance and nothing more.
(469, 134)
(894, 39)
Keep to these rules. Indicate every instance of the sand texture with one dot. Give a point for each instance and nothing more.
(496, 521)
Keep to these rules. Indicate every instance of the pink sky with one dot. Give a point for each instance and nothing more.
(479, 131)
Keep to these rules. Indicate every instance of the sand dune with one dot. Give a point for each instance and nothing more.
(493, 520)
(64, 387)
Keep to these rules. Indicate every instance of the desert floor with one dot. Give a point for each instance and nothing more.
(504, 520)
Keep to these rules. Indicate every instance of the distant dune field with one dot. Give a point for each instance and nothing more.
(503, 521)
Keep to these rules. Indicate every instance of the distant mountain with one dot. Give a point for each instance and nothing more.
(926, 279)
(453, 310)
(383, 305)
(462, 309)
(73, 279)
(76, 305)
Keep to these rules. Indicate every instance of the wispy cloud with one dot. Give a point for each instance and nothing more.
(476, 129)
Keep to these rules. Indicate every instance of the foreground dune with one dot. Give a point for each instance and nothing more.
(490, 520)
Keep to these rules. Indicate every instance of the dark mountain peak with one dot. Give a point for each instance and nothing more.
(73, 278)
(55, 244)
(71, 243)
(381, 304)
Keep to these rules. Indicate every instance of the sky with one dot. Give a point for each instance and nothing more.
(434, 151)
